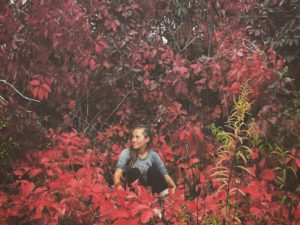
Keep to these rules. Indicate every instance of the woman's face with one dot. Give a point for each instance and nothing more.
(139, 141)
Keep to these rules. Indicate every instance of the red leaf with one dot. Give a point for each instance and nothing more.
(267, 174)
(182, 135)
(153, 53)
(106, 64)
(19, 172)
(255, 211)
(146, 82)
(254, 188)
(70, 79)
(26, 187)
(194, 161)
(84, 62)
(298, 162)
(72, 104)
(82, 172)
(41, 94)
(98, 48)
(35, 91)
(100, 136)
(169, 158)
(55, 184)
(216, 113)
(103, 42)
(202, 179)
(203, 27)
(262, 162)
(199, 132)
(196, 68)
(92, 64)
(176, 108)
(134, 6)
(34, 172)
(10, 67)
(181, 87)
(235, 87)
(287, 160)
(134, 221)
(48, 80)
(132, 32)
(106, 206)
(297, 213)
(35, 82)
(121, 133)
(254, 154)
(46, 87)
(146, 215)
(50, 172)
(119, 213)
(146, 54)
(139, 208)
(184, 72)
(120, 222)
(98, 188)
(40, 190)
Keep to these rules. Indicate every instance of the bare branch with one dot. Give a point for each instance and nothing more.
(118, 106)
(3, 101)
(117, 78)
(175, 40)
(187, 45)
(94, 118)
(27, 98)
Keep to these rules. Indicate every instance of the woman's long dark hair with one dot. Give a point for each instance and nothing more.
(132, 152)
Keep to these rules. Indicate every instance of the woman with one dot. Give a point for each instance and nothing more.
(143, 164)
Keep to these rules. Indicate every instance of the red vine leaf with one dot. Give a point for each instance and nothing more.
(267, 174)
(146, 215)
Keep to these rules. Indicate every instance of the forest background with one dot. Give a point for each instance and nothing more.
(217, 80)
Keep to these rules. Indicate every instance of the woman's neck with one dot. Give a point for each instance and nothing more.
(143, 153)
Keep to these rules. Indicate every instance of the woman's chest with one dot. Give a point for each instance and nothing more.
(143, 164)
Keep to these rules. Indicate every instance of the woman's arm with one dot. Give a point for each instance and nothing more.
(170, 182)
(117, 177)
(159, 163)
(123, 159)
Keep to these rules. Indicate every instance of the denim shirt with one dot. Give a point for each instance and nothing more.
(143, 165)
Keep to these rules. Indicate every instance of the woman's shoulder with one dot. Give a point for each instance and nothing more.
(125, 151)
(153, 153)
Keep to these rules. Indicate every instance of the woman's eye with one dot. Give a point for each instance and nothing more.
(136, 137)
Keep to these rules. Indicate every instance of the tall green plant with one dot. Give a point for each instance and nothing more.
(283, 156)
(233, 154)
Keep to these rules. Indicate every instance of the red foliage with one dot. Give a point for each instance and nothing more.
(66, 183)
(267, 174)
(94, 64)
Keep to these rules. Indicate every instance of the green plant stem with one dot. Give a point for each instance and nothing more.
(230, 177)
(236, 197)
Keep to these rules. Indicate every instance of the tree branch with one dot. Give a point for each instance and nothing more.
(188, 44)
(116, 107)
(23, 96)
(3, 101)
